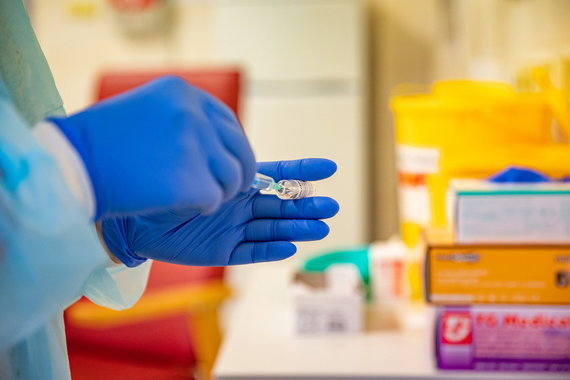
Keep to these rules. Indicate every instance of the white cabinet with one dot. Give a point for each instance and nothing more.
(304, 66)
(292, 39)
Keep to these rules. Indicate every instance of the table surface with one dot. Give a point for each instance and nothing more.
(260, 342)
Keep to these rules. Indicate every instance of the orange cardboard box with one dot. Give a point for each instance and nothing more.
(507, 274)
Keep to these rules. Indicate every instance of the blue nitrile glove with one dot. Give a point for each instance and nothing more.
(249, 228)
(514, 174)
(164, 144)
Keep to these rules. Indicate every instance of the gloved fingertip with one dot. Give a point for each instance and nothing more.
(320, 230)
(329, 166)
(290, 250)
(315, 169)
(249, 170)
(231, 194)
(319, 207)
(281, 251)
(246, 184)
(332, 208)
(248, 181)
(214, 202)
(210, 209)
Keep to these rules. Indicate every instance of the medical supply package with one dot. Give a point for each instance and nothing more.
(502, 274)
(509, 213)
(503, 338)
(329, 303)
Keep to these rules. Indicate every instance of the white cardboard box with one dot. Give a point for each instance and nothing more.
(491, 213)
(337, 307)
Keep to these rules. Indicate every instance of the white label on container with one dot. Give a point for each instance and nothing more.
(414, 204)
(416, 160)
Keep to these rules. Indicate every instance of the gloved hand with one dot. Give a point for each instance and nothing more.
(164, 144)
(249, 228)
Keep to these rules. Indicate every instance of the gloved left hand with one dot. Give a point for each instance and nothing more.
(249, 228)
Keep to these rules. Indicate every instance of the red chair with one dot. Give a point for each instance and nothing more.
(173, 331)
(223, 84)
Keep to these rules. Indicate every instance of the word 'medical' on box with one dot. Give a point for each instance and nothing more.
(501, 338)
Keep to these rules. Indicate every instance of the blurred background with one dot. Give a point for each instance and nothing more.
(316, 80)
(328, 54)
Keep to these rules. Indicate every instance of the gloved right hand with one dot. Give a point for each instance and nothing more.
(164, 144)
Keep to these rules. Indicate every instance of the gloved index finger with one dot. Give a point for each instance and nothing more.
(307, 169)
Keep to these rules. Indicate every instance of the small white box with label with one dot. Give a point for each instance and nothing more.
(491, 213)
(329, 303)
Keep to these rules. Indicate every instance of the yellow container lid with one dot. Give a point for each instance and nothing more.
(451, 96)
(469, 112)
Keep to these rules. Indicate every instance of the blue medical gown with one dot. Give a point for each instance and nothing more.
(50, 254)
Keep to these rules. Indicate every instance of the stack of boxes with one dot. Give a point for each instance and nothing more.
(500, 278)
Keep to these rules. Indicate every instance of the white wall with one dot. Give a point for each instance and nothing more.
(78, 47)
